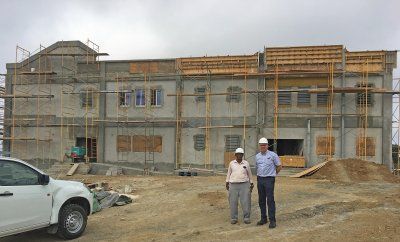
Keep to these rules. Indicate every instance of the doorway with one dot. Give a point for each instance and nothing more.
(286, 147)
(91, 147)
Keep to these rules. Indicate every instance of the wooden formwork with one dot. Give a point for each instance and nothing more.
(218, 65)
(293, 161)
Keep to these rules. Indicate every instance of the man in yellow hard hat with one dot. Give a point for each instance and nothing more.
(239, 184)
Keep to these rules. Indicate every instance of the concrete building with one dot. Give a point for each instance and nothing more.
(311, 102)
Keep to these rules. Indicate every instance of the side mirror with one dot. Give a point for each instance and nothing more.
(44, 179)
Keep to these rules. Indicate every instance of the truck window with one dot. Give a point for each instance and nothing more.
(16, 174)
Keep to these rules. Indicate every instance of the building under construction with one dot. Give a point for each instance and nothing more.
(311, 102)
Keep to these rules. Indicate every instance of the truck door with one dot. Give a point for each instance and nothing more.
(24, 203)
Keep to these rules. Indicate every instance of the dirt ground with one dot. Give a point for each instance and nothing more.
(173, 208)
(355, 170)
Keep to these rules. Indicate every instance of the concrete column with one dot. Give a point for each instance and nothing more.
(178, 116)
(387, 105)
(102, 115)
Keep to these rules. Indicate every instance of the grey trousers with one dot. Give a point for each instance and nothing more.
(240, 191)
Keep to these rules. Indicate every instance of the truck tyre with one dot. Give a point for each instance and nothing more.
(72, 221)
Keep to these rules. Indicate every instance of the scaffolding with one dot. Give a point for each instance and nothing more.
(178, 127)
(2, 92)
(329, 117)
(32, 105)
(276, 106)
(30, 99)
(74, 120)
(396, 127)
(363, 114)
(77, 119)
(149, 145)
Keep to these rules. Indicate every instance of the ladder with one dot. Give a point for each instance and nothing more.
(149, 147)
(93, 150)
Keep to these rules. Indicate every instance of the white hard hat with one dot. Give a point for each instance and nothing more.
(239, 151)
(263, 141)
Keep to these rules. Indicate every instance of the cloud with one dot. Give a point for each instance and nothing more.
(160, 29)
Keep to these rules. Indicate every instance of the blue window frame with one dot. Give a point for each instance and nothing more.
(140, 98)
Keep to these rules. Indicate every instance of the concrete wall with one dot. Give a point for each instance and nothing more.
(217, 147)
(165, 111)
(99, 76)
(220, 107)
(69, 106)
(351, 98)
(164, 159)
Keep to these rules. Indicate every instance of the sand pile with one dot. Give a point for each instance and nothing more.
(355, 170)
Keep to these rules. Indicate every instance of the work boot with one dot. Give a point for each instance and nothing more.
(272, 224)
(262, 222)
(233, 221)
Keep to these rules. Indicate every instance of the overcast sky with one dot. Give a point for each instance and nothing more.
(159, 29)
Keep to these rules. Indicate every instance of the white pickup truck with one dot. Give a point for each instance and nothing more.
(30, 199)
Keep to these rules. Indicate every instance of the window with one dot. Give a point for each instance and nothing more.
(303, 97)
(363, 99)
(235, 97)
(199, 142)
(201, 91)
(232, 142)
(16, 174)
(156, 97)
(140, 98)
(322, 99)
(125, 98)
(284, 98)
(86, 99)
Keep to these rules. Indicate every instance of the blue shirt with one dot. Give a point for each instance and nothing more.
(266, 163)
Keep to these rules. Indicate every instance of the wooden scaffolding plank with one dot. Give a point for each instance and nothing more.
(310, 171)
(73, 169)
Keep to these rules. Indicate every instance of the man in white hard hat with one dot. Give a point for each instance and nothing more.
(268, 165)
(239, 184)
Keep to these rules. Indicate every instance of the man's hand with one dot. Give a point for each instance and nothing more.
(227, 186)
(251, 187)
(278, 169)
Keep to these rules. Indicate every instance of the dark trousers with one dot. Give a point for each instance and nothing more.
(265, 187)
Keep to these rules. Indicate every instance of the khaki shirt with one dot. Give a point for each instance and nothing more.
(239, 172)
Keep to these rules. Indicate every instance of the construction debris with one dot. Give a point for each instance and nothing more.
(114, 171)
(186, 172)
(127, 189)
(99, 185)
(107, 199)
(104, 197)
(190, 171)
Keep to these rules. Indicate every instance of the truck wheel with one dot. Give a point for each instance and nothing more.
(72, 221)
